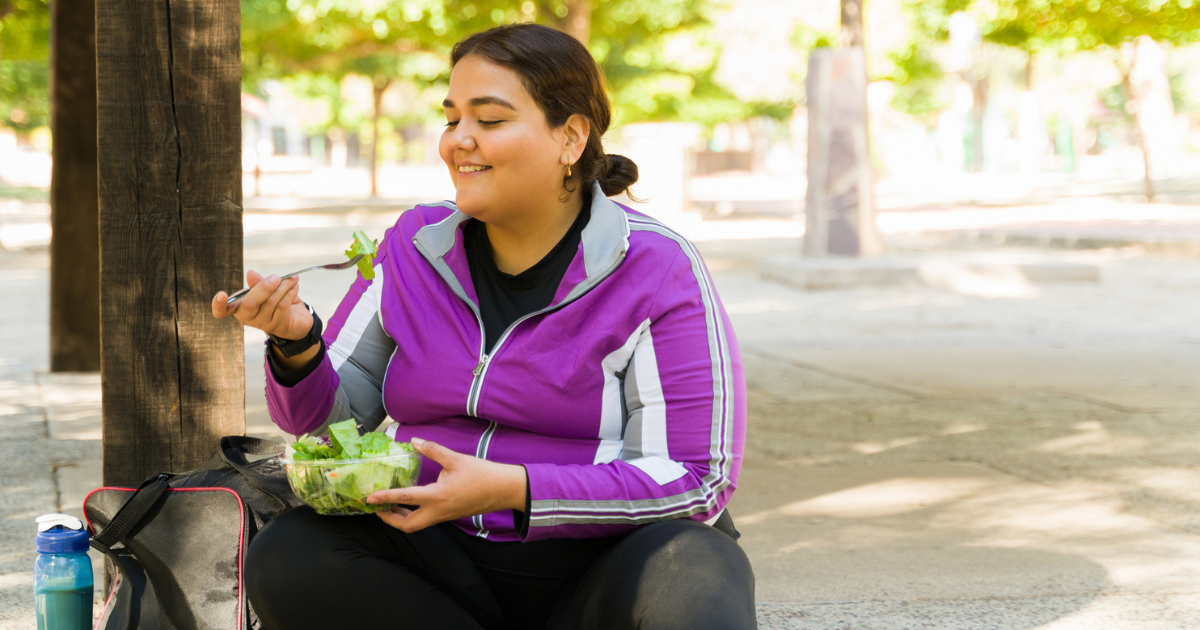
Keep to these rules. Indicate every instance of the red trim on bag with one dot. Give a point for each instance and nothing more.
(112, 593)
(241, 536)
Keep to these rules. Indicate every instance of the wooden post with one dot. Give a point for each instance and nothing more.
(169, 76)
(74, 208)
(839, 209)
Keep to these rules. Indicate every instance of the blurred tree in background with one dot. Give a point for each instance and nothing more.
(24, 65)
(657, 55)
(1059, 27)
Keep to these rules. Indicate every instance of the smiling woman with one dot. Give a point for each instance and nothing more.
(562, 362)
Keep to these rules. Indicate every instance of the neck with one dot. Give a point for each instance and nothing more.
(520, 243)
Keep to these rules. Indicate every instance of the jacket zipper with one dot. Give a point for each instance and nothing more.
(480, 371)
(481, 368)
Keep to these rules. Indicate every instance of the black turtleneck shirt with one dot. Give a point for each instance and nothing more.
(505, 298)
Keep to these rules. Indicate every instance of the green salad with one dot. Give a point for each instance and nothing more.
(336, 476)
(368, 248)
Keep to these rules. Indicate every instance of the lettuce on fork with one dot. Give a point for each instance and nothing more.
(368, 248)
(337, 477)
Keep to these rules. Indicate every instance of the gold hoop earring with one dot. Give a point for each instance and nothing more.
(568, 170)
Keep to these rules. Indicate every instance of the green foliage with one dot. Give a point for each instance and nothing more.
(24, 29)
(1063, 26)
(918, 80)
(659, 60)
(1183, 100)
(807, 39)
(656, 54)
(1058, 26)
(24, 69)
(24, 94)
(1116, 100)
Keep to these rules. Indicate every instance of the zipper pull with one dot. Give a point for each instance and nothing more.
(479, 368)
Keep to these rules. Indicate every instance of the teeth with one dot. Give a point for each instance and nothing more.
(471, 169)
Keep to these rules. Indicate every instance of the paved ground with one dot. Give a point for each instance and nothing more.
(978, 454)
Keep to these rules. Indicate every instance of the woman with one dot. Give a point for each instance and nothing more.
(563, 364)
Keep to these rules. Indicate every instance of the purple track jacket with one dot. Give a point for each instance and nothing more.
(624, 399)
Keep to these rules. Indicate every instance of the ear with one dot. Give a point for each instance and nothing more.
(575, 134)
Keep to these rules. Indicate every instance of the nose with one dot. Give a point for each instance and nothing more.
(461, 139)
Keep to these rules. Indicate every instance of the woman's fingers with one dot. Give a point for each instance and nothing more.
(428, 500)
(282, 310)
(436, 452)
(266, 311)
(260, 290)
(220, 305)
(267, 305)
(415, 495)
(251, 307)
(409, 521)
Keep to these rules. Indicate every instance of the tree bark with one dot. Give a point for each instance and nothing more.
(74, 207)
(378, 87)
(173, 379)
(578, 19)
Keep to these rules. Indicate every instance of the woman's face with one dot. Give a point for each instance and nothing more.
(502, 155)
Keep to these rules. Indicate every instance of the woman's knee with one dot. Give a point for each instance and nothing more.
(273, 553)
(674, 574)
(689, 552)
(695, 577)
(287, 551)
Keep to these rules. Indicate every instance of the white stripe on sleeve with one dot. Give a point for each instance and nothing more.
(356, 323)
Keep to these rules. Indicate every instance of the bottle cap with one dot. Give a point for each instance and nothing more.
(61, 533)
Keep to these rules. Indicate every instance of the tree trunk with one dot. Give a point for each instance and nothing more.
(1149, 92)
(169, 76)
(378, 88)
(979, 96)
(74, 207)
(576, 21)
(852, 24)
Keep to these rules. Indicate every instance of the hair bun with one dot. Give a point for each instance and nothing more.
(619, 176)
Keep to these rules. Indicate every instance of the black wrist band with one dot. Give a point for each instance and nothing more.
(292, 347)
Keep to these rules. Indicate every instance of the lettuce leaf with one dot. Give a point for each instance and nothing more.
(343, 488)
(368, 248)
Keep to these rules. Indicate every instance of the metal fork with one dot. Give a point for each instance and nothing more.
(343, 265)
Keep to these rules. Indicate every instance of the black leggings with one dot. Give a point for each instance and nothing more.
(309, 571)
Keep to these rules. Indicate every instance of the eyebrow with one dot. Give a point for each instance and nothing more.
(483, 100)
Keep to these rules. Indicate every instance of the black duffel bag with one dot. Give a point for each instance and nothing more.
(177, 543)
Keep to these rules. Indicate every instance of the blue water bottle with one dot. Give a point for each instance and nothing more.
(62, 575)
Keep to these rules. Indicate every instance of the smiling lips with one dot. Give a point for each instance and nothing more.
(471, 168)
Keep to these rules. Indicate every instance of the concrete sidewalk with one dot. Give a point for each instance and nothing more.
(917, 456)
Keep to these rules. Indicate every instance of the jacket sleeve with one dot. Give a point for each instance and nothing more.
(684, 424)
(348, 383)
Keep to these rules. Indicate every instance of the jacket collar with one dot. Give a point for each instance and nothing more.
(603, 242)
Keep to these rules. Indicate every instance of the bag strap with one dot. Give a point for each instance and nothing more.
(233, 451)
(131, 513)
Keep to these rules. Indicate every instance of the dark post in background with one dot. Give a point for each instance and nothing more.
(74, 208)
(169, 77)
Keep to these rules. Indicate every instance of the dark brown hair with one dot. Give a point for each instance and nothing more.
(563, 79)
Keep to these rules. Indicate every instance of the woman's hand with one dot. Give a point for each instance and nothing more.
(466, 486)
(271, 305)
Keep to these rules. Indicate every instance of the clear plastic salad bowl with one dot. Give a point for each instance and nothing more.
(341, 486)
